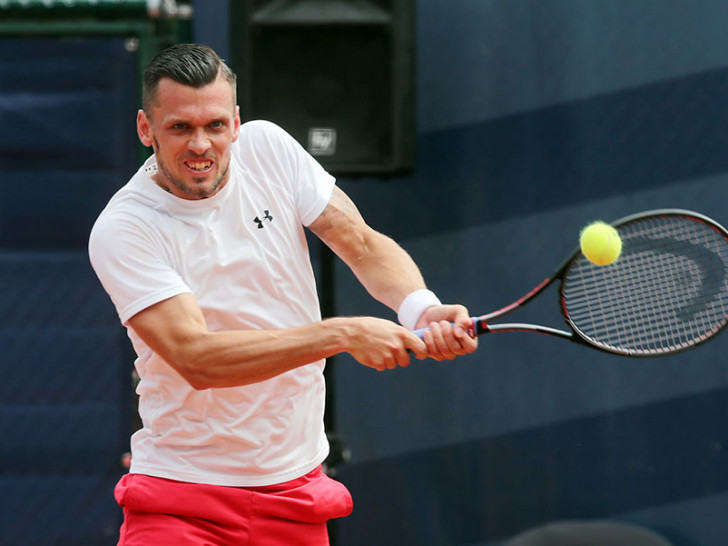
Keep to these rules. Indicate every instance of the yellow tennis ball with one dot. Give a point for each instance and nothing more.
(600, 243)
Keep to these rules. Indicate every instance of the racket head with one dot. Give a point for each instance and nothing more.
(666, 293)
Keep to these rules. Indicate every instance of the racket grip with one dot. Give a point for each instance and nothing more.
(420, 332)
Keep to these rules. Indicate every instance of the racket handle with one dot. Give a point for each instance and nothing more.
(476, 329)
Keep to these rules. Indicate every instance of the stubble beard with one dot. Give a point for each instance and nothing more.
(194, 191)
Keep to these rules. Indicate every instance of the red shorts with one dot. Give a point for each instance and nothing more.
(166, 512)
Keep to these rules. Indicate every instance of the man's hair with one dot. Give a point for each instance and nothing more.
(189, 64)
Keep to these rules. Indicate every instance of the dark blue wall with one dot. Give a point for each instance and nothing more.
(536, 117)
(67, 110)
(67, 142)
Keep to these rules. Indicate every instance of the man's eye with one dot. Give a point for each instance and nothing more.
(217, 125)
(179, 126)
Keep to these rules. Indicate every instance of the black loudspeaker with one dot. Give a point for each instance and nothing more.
(336, 74)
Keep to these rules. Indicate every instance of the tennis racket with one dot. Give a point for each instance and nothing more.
(667, 291)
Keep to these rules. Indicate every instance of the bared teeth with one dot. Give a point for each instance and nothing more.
(199, 166)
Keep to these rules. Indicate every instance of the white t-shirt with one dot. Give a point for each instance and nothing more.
(243, 254)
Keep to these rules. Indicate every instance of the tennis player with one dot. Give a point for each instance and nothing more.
(203, 253)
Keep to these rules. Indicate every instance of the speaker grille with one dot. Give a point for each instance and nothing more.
(339, 79)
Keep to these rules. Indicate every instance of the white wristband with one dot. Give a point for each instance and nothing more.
(414, 305)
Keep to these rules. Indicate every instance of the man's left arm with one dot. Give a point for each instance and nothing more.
(390, 275)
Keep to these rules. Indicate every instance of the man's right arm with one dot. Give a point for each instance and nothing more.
(176, 330)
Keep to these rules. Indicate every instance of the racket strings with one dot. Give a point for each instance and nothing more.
(667, 291)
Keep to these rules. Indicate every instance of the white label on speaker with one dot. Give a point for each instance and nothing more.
(322, 141)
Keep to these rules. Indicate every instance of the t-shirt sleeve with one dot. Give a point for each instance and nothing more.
(272, 150)
(131, 267)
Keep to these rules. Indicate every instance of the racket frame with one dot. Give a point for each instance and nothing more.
(481, 324)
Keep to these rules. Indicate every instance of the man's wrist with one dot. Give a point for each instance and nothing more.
(414, 305)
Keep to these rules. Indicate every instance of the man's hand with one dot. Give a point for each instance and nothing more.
(382, 344)
(450, 332)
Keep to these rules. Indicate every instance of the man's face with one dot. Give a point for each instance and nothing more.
(191, 131)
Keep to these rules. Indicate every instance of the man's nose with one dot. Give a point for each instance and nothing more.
(199, 141)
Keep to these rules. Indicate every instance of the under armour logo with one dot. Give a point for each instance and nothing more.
(266, 217)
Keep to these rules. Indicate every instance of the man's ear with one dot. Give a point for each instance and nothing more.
(144, 128)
